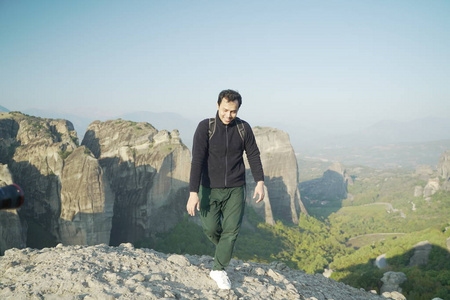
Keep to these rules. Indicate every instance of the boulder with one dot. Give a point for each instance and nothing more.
(394, 295)
(381, 262)
(392, 281)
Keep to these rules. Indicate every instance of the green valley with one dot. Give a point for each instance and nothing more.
(381, 215)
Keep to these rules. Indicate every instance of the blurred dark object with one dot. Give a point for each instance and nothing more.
(11, 197)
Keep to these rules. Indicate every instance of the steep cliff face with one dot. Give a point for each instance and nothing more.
(86, 201)
(35, 152)
(11, 231)
(444, 169)
(281, 176)
(331, 187)
(125, 183)
(148, 172)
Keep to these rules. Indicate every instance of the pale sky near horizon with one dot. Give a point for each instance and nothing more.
(326, 64)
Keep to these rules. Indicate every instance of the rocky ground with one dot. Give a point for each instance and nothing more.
(104, 272)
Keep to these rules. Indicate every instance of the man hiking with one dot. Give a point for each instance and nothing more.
(217, 179)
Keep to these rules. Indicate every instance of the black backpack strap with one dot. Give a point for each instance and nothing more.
(241, 128)
(212, 127)
(239, 123)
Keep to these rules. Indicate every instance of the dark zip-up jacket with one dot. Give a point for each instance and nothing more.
(218, 162)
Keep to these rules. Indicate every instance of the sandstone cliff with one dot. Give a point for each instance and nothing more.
(11, 231)
(124, 183)
(34, 149)
(148, 172)
(281, 177)
(434, 183)
(86, 201)
(331, 187)
(444, 169)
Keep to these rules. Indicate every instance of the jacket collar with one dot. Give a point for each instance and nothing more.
(219, 121)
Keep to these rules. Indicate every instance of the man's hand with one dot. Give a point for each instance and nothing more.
(259, 190)
(193, 203)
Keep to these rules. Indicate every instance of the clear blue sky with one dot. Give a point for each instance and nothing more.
(326, 64)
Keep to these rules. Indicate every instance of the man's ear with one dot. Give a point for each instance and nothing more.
(218, 106)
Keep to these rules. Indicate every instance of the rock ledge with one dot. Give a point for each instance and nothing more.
(123, 272)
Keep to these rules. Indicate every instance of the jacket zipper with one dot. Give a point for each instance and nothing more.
(226, 154)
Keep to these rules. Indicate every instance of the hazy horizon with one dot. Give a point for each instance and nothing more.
(327, 66)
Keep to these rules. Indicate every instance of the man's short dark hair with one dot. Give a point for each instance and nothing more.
(230, 95)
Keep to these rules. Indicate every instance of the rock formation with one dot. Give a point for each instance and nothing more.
(126, 182)
(331, 187)
(281, 177)
(103, 272)
(392, 281)
(444, 169)
(380, 261)
(148, 172)
(86, 201)
(431, 188)
(421, 253)
(34, 149)
(11, 231)
(434, 184)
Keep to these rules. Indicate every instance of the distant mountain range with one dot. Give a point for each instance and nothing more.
(382, 133)
(386, 144)
(3, 109)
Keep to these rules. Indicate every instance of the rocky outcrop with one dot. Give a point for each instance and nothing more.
(281, 177)
(331, 187)
(86, 201)
(102, 272)
(392, 281)
(148, 172)
(11, 231)
(125, 183)
(394, 295)
(431, 188)
(421, 254)
(444, 169)
(381, 262)
(34, 149)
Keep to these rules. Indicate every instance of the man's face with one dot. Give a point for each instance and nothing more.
(228, 110)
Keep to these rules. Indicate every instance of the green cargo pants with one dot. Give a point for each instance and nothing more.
(221, 212)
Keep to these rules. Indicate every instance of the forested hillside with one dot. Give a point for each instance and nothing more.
(381, 215)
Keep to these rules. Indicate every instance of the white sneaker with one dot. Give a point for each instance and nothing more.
(221, 278)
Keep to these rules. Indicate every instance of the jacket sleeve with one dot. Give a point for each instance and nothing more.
(199, 155)
(253, 154)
